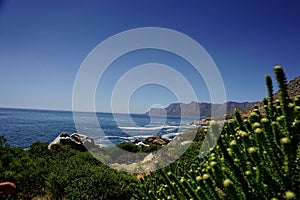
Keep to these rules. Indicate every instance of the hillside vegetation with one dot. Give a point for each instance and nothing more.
(60, 173)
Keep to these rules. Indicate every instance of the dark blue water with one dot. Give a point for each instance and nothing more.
(23, 127)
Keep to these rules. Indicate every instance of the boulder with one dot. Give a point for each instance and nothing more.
(158, 140)
(76, 141)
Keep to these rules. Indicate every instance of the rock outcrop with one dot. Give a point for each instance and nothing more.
(293, 88)
(156, 140)
(76, 141)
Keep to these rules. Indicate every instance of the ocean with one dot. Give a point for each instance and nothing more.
(23, 127)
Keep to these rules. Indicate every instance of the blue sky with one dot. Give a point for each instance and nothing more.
(43, 43)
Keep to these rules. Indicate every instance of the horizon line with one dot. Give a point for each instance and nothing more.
(66, 110)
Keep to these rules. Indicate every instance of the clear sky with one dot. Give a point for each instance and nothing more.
(43, 43)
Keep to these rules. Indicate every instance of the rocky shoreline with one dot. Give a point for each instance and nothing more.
(82, 142)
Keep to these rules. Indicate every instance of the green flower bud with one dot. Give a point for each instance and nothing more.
(256, 125)
(258, 131)
(242, 133)
(280, 118)
(296, 122)
(227, 182)
(285, 140)
(198, 178)
(213, 163)
(253, 114)
(182, 180)
(291, 105)
(205, 176)
(248, 172)
(251, 149)
(256, 110)
(289, 195)
(277, 67)
(232, 143)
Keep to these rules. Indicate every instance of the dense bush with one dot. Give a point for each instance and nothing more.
(131, 147)
(256, 158)
(60, 173)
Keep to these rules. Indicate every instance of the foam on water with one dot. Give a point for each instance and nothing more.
(23, 127)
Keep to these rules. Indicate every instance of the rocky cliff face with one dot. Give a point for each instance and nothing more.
(195, 109)
(293, 88)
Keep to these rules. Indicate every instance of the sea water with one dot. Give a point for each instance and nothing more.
(23, 127)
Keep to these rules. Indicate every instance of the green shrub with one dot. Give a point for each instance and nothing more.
(60, 173)
(129, 146)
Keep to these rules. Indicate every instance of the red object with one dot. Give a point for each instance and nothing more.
(8, 188)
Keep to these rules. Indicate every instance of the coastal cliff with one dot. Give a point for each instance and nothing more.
(193, 109)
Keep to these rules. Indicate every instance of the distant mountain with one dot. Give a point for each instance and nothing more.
(193, 109)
